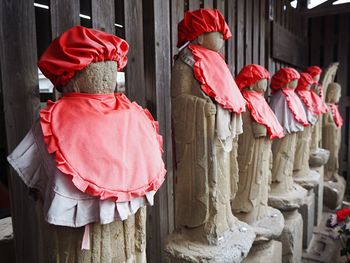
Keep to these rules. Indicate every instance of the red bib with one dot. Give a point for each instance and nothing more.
(296, 106)
(216, 80)
(110, 146)
(319, 104)
(306, 98)
(338, 120)
(262, 113)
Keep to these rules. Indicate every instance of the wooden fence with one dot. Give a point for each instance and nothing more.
(330, 42)
(259, 28)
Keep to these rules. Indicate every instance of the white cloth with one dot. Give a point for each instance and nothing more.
(64, 204)
(284, 115)
(228, 126)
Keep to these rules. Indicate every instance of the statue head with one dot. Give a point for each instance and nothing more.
(315, 72)
(333, 93)
(84, 60)
(285, 78)
(305, 82)
(205, 27)
(253, 77)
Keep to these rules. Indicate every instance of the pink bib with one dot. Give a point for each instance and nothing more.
(110, 146)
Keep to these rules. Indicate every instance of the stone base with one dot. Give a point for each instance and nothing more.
(318, 158)
(270, 251)
(269, 227)
(289, 200)
(233, 246)
(307, 211)
(319, 196)
(333, 192)
(309, 181)
(291, 237)
(7, 244)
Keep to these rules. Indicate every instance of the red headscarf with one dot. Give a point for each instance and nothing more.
(216, 80)
(313, 71)
(256, 103)
(251, 74)
(281, 78)
(201, 21)
(338, 120)
(77, 48)
(304, 92)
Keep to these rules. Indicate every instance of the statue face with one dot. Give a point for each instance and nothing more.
(292, 85)
(213, 40)
(260, 85)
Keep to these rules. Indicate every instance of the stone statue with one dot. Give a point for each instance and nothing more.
(204, 128)
(260, 126)
(334, 183)
(286, 195)
(115, 222)
(301, 171)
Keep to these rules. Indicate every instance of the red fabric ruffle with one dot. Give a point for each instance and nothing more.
(216, 80)
(251, 74)
(296, 106)
(110, 146)
(201, 21)
(77, 48)
(338, 120)
(320, 105)
(262, 113)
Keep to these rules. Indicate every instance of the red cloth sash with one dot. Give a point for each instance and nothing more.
(110, 146)
(262, 113)
(296, 106)
(338, 120)
(216, 80)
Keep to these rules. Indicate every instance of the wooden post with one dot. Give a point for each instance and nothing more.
(19, 84)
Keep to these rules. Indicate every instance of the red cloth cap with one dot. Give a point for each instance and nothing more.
(77, 48)
(304, 92)
(251, 74)
(313, 71)
(201, 21)
(283, 76)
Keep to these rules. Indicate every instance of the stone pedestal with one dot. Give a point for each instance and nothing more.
(333, 192)
(291, 237)
(270, 251)
(307, 211)
(233, 246)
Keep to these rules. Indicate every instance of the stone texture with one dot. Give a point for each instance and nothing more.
(233, 246)
(318, 158)
(319, 196)
(291, 237)
(7, 244)
(307, 211)
(333, 192)
(270, 252)
(289, 200)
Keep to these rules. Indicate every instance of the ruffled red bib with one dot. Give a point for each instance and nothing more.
(305, 96)
(294, 104)
(338, 120)
(216, 79)
(262, 113)
(319, 104)
(110, 146)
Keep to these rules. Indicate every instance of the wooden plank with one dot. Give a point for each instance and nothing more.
(230, 45)
(208, 4)
(248, 32)
(102, 15)
(328, 39)
(194, 4)
(19, 85)
(240, 47)
(157, 75)
(256, 29)
(177, 14)
(135, 75)
(315, 41)
(327, 11)
(220, 5)
(262, 25)
(64, 14)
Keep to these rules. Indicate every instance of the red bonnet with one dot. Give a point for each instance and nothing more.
(201, 21)
(313, 71)
(77, 48)
(251, 74)
(283, 76)
(304, 81)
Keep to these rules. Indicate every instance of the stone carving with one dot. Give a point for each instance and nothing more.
(206, 173)
(335, 184)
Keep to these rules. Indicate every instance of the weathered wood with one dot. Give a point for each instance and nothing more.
(288, 48)
(161, 216)
(315, 41)
(208, 4)
(240, 36)
(262, 25)
(135, 75)
(64, 14)
(256, 29)
(230, 44)
(328, 40)
(194, 4)
(102, 15)
(19, 85)
(327, 10)
(177, 14)
(248, 31)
